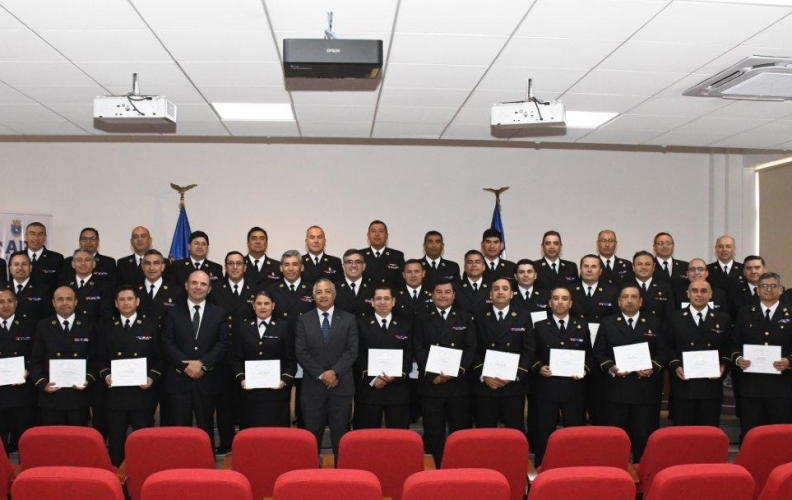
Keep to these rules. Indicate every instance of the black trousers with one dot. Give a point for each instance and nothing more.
(98, 394)
(260, 413)
(490, 409)
(321, 410)
(439, 413)
(638, 420)
(51, 416)
(117, 423)
(697, 411)
(764, 411)
(548, 414)
(369, 416)
(229, 403)
(185, 405)
(14, 422)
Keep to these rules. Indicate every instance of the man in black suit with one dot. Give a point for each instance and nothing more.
(698, 270)
(379, 395)
(316, 263)
(63, 336)
(724, 271)
(130, 336)
(129, 269)
(33, 300)
(472, 294)
(657, 297)
(433, 262)
(197, 261)
(416, 294)
(592, 299)
(353, 289)
(698, 328)
(632, 398)
(445, 397)
(551, 269)
(293, 295)
(745, 290)
(766, 399)
(527, 296)
(46, 263)
(195, 342)
(615, 270)
(668, 269)
(94, 296)
(157, 295)
(105, 268)
(261, 270)
(326, 344)
(491, 250)
(383, 263)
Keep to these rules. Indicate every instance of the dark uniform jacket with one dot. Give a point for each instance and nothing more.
(129, 273)
(47, 268)
(329, 267)
(718, 279)
(547, 279)
(741, 295)
(182, 269)
(514, 335)
(34, 302)
(166, 298)
(291, 305)
(277, 342)
(95, 299)
(407, 306)
(621, 271)
(472, 301)
(548, 336)
(601, 304)
(457, 331)
(18, 341)
(679, 269)
(537, 302)
(504, 269)
(658, 300)
(719, 300)
(371, 336)
(236, 307)
(446, 269)
(356, 304)
(387, 268)
(105, 269)
(269, 272)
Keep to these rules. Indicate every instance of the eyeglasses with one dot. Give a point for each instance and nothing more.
(356, 262)
(697, 269)
(769, 286)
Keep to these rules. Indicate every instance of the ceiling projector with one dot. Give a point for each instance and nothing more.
(134, 108)
(531, 112)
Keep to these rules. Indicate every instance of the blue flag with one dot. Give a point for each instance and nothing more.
(180, 246)
(497, 223)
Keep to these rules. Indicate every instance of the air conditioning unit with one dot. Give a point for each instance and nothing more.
(760, 78)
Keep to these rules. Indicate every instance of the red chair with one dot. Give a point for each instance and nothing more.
(456, 484)
(328, 484)
(583, 483)
(779, 483)
(763, 449)
(63, 445)
(6, 472)
(679, 445)
(66, 483)
(262, 454)
(163, 448)
(193, 484)
(698, 481)
(392, 455)
(599, 446)
(503, 450)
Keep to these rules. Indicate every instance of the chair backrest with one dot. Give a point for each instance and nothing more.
(500, 449)
(779, 483)
(763, 449)
(328, 484)
(63, 445)
(601, 446)
(66, 483)
(679, 445)
(457, 484)
(583, 483)
(392, 455)
(194, 484)
(697, 481)
(163, 448)
(6, 471)
(262, 454)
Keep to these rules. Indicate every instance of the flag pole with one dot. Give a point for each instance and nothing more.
(497, 221)
(181, 234)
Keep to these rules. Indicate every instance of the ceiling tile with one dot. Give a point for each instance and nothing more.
(486, 98)
(9, 22)
(469, 132)
(608, 136)
(442, 98)
(334, 98)
(685, 139)
(150, 74)
(646, 123)
(417, 114)
(472, 116)
(204, 14)
(552, 135)
(263, 129)
(677, 88)
(176, 93)
(214, 128)
(610, 82)
(662, 56)
(349, 16)
(9, 95)
(554, 53)
(601, 103)
(335, 129)
(468, 17)
(679, 106)
(220, 45)
(752, 141)
(313, 113)
(234, 73)
(60, 127)
(104, 45)
(75, 14)
(62, 94)
(195, 113)
(544, 80)
(445, 49)
(25, 46)
(777, 35)
(408, 130)
(754, 109)
(34, 73)
(215, 93)
(736, 55)
(81, 114)
(725, 126)
(778, 127)
(433, 76)
(7, 131)
(26, 112)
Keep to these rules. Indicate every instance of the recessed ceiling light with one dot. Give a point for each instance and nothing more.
(587, 119)
(253, 111)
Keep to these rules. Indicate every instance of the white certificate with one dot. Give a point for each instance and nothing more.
(130, 372)
(762, 358)
(632, 357)
(567, 362)
(538, 316)
(12, 370)
(444, 360)
(67, 372)
(263, 374)
(387, 361)
(502, 365)
(701, 364)
(593, 329)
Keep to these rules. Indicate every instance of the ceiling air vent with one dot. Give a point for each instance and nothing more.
(759, 78)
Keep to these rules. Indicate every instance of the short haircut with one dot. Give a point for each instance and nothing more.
(432, 233)
(663, 233)
(770, 276)
(524, 262)
(80, 250)
(351, 251)
(473, 252)
(154, 251)
(20, 253)
(627, 285)
(199, 234)
(491, 233)
(753, 257)
(256, 228)
(291, 253)
(126, 288)
(599, 235)
(11, 293)
(590, 256)
(442, 281)
(324, 280)
(413, 261)
(90, 229)
(641, 253)
(377, 221)
(264, 293)
(36, 224)
(383, 286)
(561, 287)
(235, 252)
(552, 233)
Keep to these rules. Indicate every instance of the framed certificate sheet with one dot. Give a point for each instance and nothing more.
(761, 358)
(701, 364)
(567, 362)
(387, 361)
(632, 357)
(67, 372)
(444, 360)
(12, 370)
(262, 374)
(538, 316)
(593, 329)
(128, 372)
(499, 364)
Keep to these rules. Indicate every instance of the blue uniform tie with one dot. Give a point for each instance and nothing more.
(326, 328)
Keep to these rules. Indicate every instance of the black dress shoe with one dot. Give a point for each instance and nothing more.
(222, 450)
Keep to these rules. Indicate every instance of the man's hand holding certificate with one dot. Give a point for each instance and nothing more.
(501, 366)
(633, 358)
(444, 361)
(67, 373)
(760, 359)
(567, 363)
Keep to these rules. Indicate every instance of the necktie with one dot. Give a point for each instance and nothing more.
(767, 314)
(316, 260)
(34, 259)
(82, 283)
(66, 326)
(291, 287)
(196, 320)
(236, 290)
(443, 314)
(5, 325)
(755, 291)
(500, 316)
(665, 268)
(607, 265)
(643, 286)
(326, 327)
(385, 326)
(377, 254)
(434, 264)
(492, 266)
(700, 319)
(127, 325)
(151, 292)
(263, 328)
(555, 270)
(197, 265)
(475, 287)
(527, 295)
(352, 286)
(630, 323)
(590, 292)
(415, 294)
(140, 261)
(256, 263)
(725, 269)
(19, 289)
(561, 327)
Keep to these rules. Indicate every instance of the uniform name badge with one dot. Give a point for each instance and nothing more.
(499, 364)
(12, 370)
(262, 374)
(762, 358)
(633, 357)
(568, 362)
(385, 361)
(444, 360)
(130, 372)
(67, 372)
(701, 364)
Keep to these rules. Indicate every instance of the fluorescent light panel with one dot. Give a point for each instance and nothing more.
(587, 119)
(253, 111)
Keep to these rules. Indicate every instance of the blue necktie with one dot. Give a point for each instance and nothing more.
(326, 328)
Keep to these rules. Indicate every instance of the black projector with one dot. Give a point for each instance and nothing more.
(329, 58)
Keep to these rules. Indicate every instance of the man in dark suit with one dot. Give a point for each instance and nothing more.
(724, 271)
(129, 269)
(261, 270)
(698, 270)
(293, 295)
(353, 289)
(130, 336)
(326, 344)
(316, 263)
(63, 336)
(766, 399)
(615, 271)
(445, 397)
(105, 268)
(383, 264)
(433, 262)
(592, 299)
(551, 269)
(632, 398)
(33, 300)
(698, 328)
(195, 342)
(657, 297)
(472, 294)
(527, 296)
(94, 296)
(668, 269)
(744, 291)
(156, 294)
(416, 294)
(46, 263)
(492, 249)
(199, 249)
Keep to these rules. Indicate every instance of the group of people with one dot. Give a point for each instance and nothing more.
(199, 324)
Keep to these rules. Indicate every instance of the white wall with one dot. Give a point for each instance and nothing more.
(287, 187)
